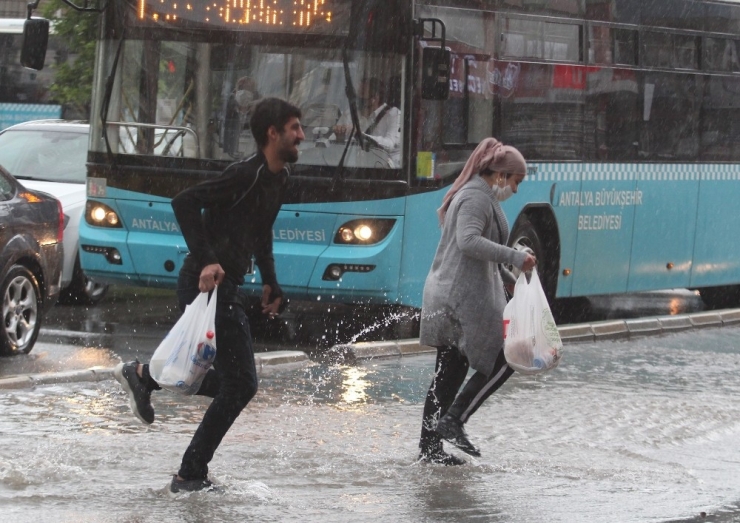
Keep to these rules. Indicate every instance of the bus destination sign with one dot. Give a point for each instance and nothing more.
(256, 15)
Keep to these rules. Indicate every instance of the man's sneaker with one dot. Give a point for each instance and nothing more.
(139, 395)
(192, 485)
(440, 457)
(451, 429)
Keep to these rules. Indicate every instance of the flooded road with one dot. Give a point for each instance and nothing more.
(633, 431)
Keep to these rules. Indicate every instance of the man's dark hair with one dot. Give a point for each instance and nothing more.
(269, 112)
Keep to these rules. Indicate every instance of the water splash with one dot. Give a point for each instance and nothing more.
(388, 321)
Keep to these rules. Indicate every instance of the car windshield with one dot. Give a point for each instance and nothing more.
(44, 155)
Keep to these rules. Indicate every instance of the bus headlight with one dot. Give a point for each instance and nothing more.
(100, 215)
(364, 231)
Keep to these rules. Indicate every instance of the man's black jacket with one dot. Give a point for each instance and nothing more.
(228, 219)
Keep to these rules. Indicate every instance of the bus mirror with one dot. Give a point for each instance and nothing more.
(35, 40)
(435, 78)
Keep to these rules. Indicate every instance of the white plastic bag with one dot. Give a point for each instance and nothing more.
(183, 358)
(531, 339)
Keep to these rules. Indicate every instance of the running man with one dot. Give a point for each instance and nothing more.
(226, 221)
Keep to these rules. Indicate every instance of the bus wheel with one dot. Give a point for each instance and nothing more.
(525, 237)
(720, 297)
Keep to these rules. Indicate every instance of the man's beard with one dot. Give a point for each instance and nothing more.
(288, 155)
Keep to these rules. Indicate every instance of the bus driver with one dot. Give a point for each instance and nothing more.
(378, 120)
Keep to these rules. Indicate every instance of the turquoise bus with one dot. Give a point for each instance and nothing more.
(628, 112)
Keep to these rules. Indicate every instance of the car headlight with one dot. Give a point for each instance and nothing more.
(100, 215)
(364, 231)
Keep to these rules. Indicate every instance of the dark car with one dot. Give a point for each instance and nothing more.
(31, 256)
(50, 156)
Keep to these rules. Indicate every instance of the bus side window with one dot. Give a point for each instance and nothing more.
(468, 113)
(720, 125)
(720, 54)
(671, 112)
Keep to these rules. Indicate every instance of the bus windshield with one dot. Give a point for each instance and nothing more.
(193, 99)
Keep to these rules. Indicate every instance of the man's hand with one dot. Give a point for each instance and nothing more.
(341, 131)
(210, 276)
(272, 309)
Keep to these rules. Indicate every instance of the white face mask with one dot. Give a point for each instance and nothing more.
(504, 193)
(243, 97)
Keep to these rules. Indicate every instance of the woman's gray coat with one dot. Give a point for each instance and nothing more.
(463, 303)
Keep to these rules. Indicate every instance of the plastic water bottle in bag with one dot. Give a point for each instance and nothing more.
(205, 353)
(183, 358)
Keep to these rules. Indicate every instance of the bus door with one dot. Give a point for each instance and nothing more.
(716, 251)
(665, 203)
(666, 195)
(608, 186)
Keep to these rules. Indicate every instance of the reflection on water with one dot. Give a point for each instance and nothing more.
(645, 430)
(354, 385)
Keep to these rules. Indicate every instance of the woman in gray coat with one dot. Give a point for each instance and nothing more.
(464, 298)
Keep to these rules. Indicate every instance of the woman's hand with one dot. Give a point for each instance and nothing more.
(529, 263)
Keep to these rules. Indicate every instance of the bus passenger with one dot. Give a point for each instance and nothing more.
(225, 221)
(378, 120)
(463, 301)
(239, 107)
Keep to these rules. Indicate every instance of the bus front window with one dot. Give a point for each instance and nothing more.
(196, 99)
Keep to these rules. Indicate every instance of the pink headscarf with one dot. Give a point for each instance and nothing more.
(492, 155)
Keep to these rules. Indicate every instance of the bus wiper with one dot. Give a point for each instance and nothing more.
(351, 95)
(349, 90)
(106, 97)
(340, 167)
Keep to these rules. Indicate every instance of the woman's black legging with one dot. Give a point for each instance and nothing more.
(450, 371)
(449, 374)
(479, 387)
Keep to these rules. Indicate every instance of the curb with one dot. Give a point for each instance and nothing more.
(575, 333)
(52, 378)
(78, 337)
(366, 350)
(266, 362)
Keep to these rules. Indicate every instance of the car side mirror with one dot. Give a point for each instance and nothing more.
(35, 41)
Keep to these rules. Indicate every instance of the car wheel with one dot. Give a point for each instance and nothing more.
(22, 305)
(82, 290)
